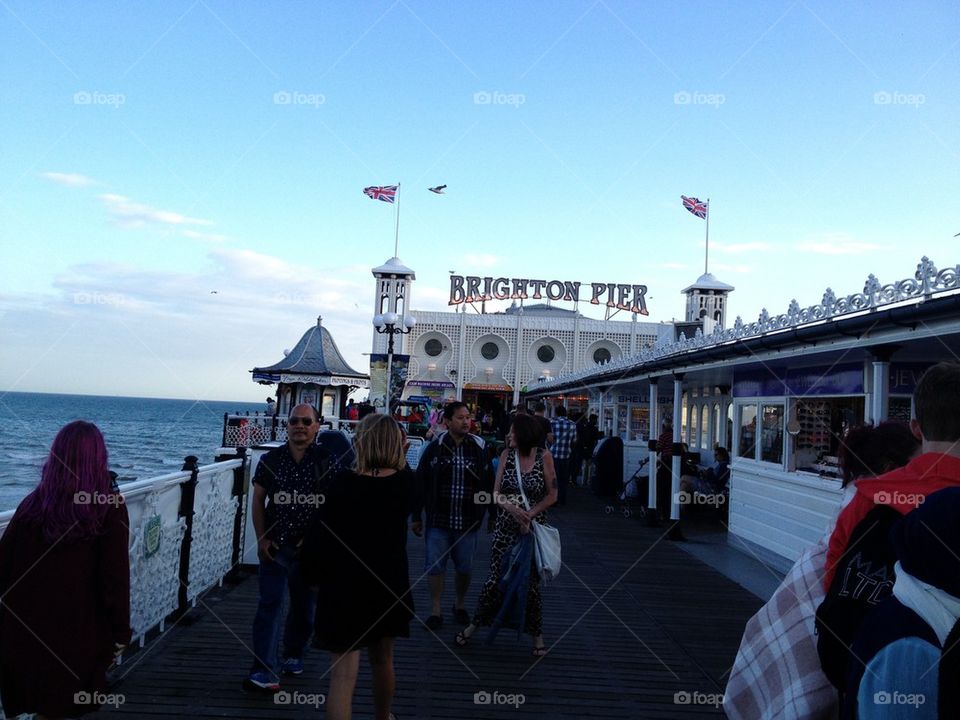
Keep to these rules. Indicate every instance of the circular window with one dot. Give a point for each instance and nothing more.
(601, 355)
(489, 350)
(433, 347)
(546, 353)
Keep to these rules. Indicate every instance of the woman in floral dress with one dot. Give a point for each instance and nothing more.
(540, 487)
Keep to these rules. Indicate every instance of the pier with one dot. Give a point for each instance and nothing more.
(637, 627)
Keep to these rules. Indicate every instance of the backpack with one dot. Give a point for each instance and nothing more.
(864, 578)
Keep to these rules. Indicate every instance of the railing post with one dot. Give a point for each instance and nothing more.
(188, 491)
(223, 442)
(274, 421)
(239, 492)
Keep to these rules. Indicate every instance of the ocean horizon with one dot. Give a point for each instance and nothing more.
(145, 437)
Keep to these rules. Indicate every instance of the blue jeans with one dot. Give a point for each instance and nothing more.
(442, 545)
(562, 466)
(275, 580)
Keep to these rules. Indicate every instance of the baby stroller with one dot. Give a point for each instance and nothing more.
(630, 491)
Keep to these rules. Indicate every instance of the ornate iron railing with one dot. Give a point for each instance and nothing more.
(926, 282)
(248, 430)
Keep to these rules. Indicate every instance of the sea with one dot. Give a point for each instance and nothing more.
(145, 437)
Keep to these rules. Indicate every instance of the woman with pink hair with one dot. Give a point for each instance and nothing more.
(64, 583)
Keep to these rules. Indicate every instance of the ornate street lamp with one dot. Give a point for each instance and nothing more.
(390, 324)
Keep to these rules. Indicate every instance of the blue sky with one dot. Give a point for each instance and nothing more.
(155, 152)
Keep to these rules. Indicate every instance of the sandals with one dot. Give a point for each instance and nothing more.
(461, 639)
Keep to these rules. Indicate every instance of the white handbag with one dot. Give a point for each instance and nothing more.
(546, 538)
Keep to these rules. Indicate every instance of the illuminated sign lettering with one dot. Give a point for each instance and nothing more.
(470, 288)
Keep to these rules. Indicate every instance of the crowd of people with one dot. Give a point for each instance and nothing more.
(866, 623)
(331, 518)
(861, 627)
(343, 560)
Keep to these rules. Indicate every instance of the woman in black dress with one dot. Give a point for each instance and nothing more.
(357, 555)
(540, 487)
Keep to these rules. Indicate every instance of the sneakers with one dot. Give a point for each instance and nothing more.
(291, 666)
(262, 680)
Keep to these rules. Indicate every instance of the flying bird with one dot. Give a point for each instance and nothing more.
(213, 292)
(438, 189)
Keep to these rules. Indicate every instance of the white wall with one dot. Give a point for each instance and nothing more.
(784, 512)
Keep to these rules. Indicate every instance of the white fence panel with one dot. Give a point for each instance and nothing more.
(215, 507)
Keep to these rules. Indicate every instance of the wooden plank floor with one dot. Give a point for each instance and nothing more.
(636, 627)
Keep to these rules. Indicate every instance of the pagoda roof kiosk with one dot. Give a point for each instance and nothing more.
(314, 372)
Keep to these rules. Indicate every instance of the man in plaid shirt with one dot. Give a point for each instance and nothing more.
(454, 487)
(564, 436)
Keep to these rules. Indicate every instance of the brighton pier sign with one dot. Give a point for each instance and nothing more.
(469, 288)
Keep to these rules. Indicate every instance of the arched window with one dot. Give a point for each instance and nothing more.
(717, 434)
(692, 437)
(705, 440)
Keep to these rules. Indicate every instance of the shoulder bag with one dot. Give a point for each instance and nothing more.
(546, 538)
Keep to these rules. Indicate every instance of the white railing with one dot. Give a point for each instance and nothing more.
(156, 538)
(413, 451)
(215, 512)
(157, 532)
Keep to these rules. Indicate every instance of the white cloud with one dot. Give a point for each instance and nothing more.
(129, 214)
(836, 243)
(205, 237)
(723, 267)
(427, 297)
(674, 266)
(69, 179)
(482, 260)
(198, 330)
(741, 247)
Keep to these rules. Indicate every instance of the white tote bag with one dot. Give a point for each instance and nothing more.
(546, 538)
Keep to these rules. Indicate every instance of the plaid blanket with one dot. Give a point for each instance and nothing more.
(777, 671)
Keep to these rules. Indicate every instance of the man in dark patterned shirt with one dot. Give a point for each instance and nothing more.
(564, 436)
(454, 486)
(287, 492)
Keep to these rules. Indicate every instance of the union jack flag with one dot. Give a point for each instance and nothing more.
(697, 207)
(387, 193)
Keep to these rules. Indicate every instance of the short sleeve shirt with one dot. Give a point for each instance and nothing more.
(294, 491)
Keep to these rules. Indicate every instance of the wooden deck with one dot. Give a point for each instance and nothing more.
(635, 626)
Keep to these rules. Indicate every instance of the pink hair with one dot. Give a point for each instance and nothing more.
(76, 469)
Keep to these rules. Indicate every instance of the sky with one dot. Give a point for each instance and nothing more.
(181, 182)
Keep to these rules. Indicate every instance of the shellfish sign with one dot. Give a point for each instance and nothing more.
(470, 288)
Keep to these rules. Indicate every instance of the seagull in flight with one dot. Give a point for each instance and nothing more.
(438, 189)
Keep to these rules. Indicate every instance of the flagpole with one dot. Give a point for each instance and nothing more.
(396, 236)
(706, 252)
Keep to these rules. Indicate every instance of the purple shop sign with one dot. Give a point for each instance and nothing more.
(904, 376)
(799, 382)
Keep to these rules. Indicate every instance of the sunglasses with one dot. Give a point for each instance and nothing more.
(296, 420)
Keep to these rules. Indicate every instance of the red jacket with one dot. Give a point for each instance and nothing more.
(902, 489)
